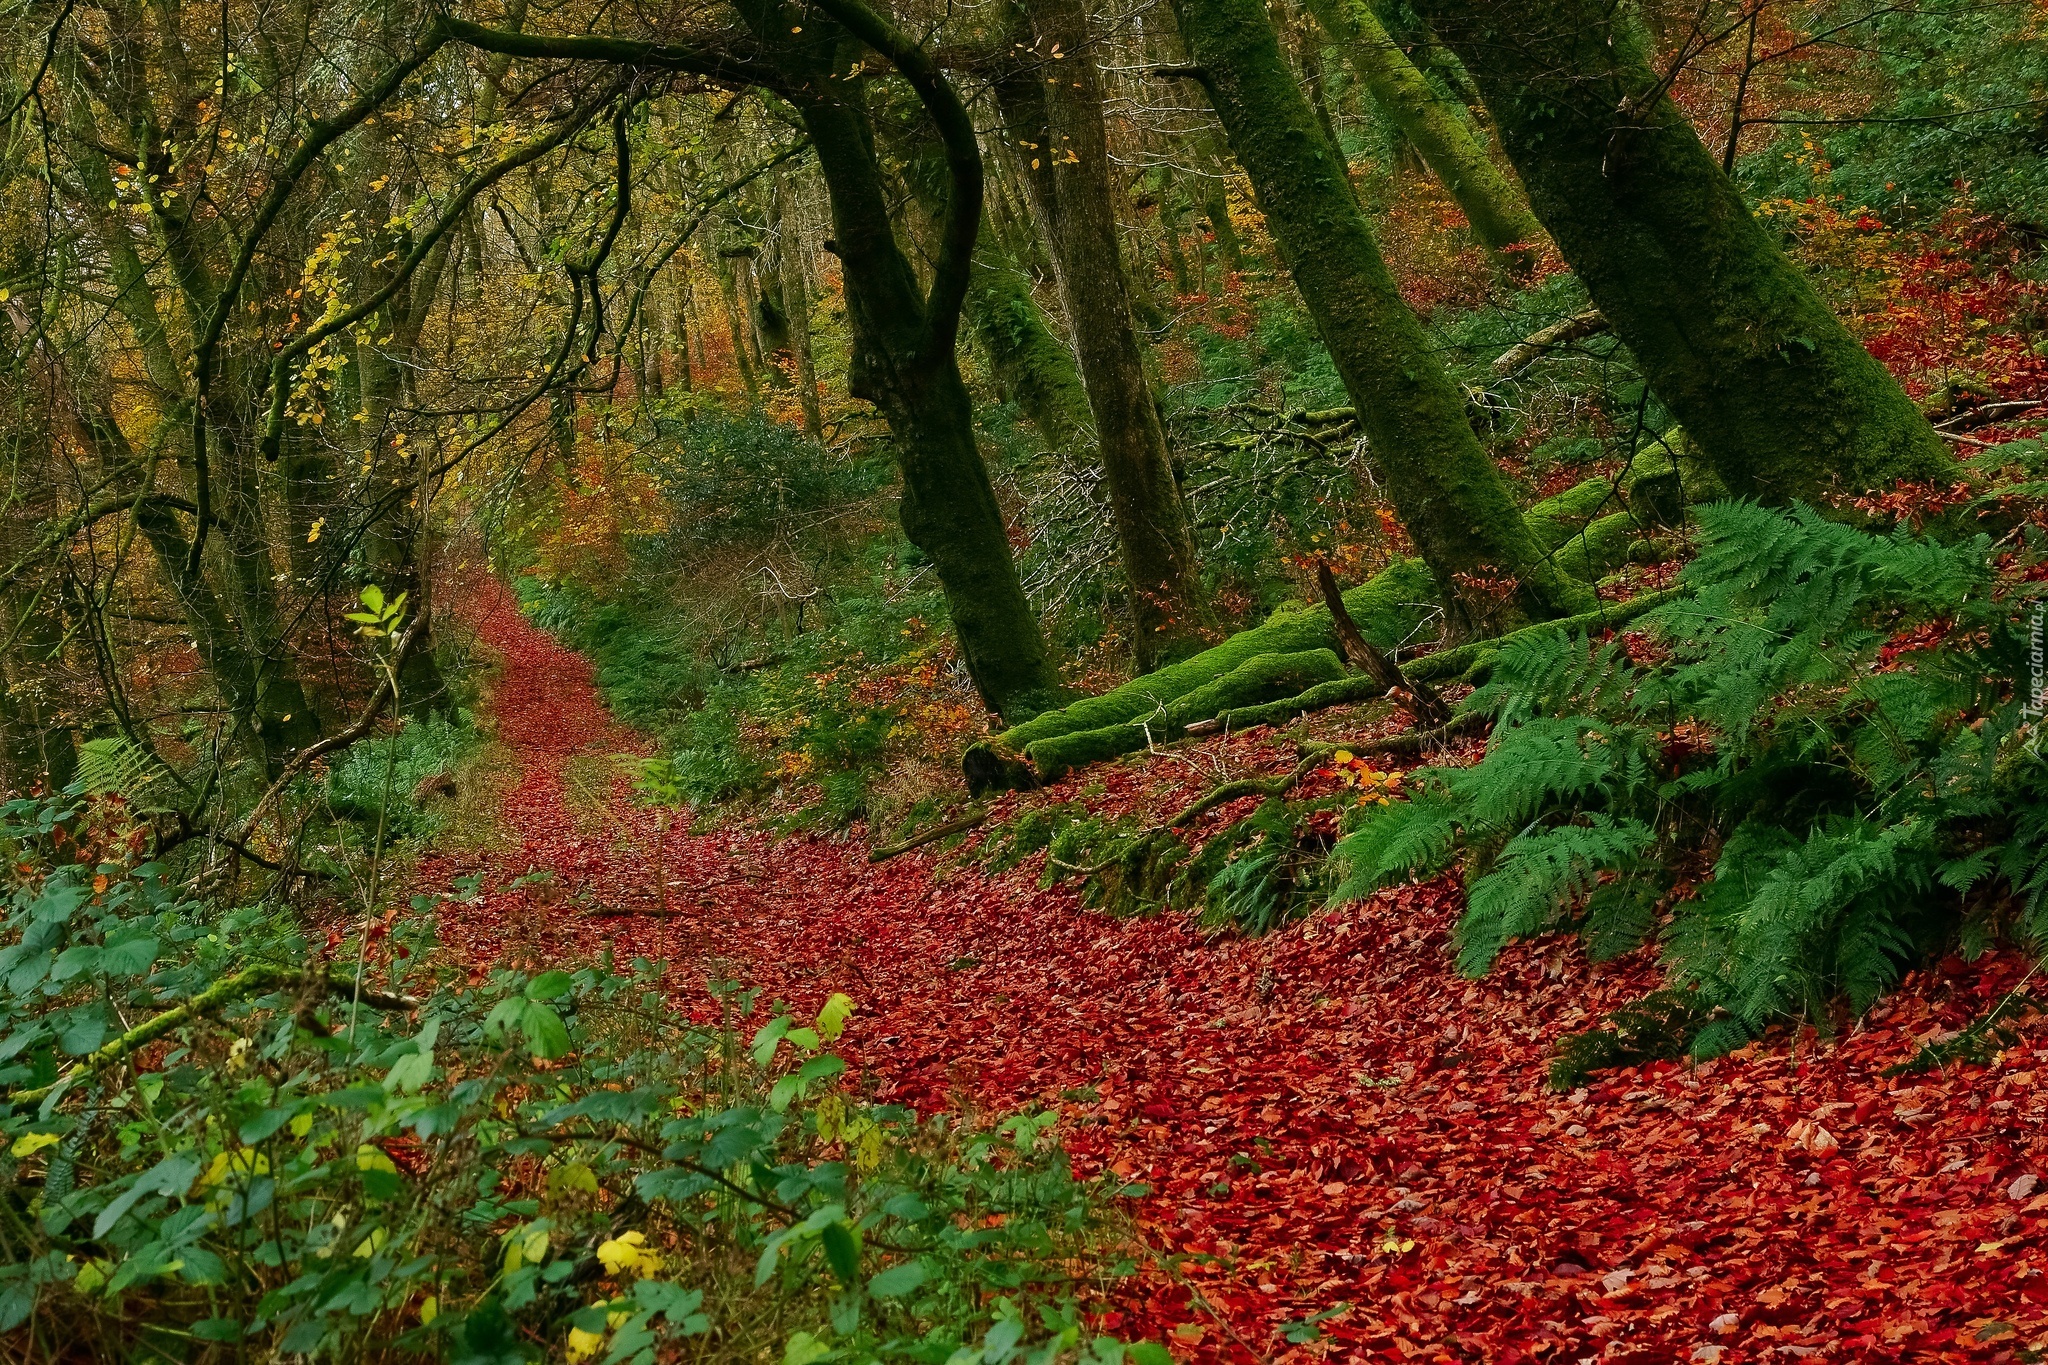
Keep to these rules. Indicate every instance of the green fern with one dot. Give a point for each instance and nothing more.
(120, 766)
(1536, 878)
(1854, 808)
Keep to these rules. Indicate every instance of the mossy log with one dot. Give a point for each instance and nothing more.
(1471, 662)
(1594, 527)
(1261, 678)
(1391, 605)
(1342, 692)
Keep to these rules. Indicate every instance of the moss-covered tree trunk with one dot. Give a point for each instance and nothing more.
(1777, 396)
(1030, 365)
(904, 357)
(1447, 143)
(684, 378)
(1052, 108)
(735, 325)
(1448, 494)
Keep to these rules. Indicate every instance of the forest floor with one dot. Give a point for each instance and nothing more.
(1327, 1122)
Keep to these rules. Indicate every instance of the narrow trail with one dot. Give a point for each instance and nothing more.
(1328, 1117)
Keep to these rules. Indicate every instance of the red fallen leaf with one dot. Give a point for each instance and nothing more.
(1244, 1079)
(407, 1152)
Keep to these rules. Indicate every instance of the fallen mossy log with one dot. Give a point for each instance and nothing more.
(1392, 604)
(1470, 662)
(1598, 525)
(1251, 688)
(1263, 677)
(1464, 663)
(1349, 691)
(959, 825)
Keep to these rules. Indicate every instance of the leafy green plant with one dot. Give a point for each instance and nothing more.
(1795, 777)
(421, 748)
(275, 1157)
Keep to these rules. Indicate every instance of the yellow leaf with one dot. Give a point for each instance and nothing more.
(582, 1344)
(370, 1157)
(867, 1149)
(629, 1253)
(832, 1018)
(430, 1308)
(28, 1144)
(246, 1162)
(575, 1177)
(314, 533)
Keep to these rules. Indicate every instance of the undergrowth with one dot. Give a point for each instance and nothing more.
(1801, 778)
(221, 1144)
(389, 776)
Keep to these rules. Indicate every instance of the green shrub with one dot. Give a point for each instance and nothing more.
(739, 478)
(382, 776)
(285, 1157)
(1796, 784)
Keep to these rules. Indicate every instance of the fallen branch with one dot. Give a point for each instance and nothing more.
(1415, 697)
(1536, 345)
(248, 981)
(958, 825)
(1986, 413)
(1269, 787)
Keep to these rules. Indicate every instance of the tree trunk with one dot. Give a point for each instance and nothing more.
(1779, 399)
(1216, 208)
(1030, 366)
(1447, 493)
(904, 359)
(1448, 145)
(796, 299)
(685, 379)
(728, 292)
(1055, 102)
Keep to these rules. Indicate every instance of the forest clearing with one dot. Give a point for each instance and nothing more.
(814, 680)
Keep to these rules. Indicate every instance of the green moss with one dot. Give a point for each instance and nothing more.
(1780, 399)
(1389, 607)
(1340, 692)
(1452, 149)
(1555, 520)
(1448, 493)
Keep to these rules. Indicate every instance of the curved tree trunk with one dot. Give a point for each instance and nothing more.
(1053, 105)
(1448, 494)
(1780, 400)
(1454, 153)
(1030, 365)
(904, 359)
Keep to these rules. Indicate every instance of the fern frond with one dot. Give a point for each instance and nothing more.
(1398, 842)
(121, 766)
(1536, 876)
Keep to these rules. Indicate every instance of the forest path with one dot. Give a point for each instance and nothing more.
(1328, 1118)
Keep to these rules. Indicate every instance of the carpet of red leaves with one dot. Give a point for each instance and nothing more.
(1328, 1118)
